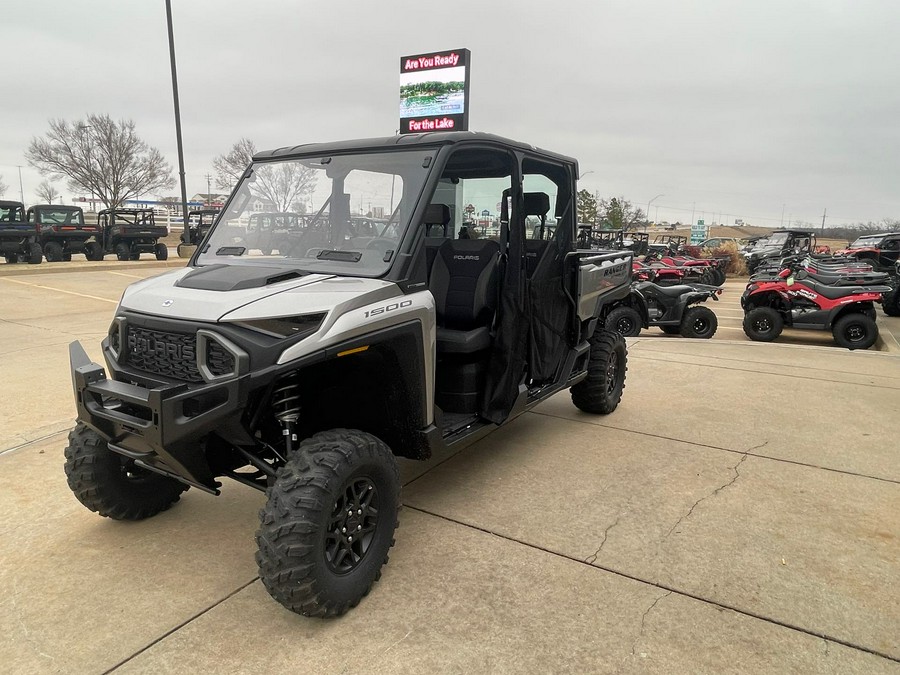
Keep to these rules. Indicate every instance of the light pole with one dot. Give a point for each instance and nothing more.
(584, 173)
(22, 190)
(184, 208)
(87, 127)
(648, 206)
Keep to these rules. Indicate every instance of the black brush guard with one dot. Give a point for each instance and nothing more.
(159, 427)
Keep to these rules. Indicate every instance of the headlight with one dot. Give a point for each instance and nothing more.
(285, 326)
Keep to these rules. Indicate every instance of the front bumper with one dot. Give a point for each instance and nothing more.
(160, 426)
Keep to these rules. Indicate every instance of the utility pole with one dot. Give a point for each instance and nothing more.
(823, 219)
(782, 216)
(21, 189)
(208, 194)
(692, 212)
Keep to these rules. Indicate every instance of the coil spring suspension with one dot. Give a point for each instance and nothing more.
(286, 409)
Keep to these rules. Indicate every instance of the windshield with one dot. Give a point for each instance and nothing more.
(864, 242)
(12, 214)
(343, 214)
(776, 239)
(60, 217)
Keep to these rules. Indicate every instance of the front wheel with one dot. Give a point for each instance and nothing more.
(855, 331)
(601, 391)
(763, 324)
(123, 252)
(93, 251)
(624, 320)
(891, 303)
(329, 522)
(162, 251)
(699, 322)
(111, 484)
(11, 258)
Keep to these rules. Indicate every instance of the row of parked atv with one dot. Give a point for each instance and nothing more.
(56, 232)
(791, 287)
(839, 293)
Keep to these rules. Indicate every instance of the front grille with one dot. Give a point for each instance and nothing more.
(163, 353)
(219, 360)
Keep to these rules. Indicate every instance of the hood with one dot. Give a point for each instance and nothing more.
(174, 295)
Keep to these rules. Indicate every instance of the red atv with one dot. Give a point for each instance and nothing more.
(694, 270)
(806, 300)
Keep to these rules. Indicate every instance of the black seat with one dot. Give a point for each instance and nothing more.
(671, 291)
(536, 204)
(464, 284)
(436, 216)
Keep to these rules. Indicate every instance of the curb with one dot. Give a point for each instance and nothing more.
(87, 266)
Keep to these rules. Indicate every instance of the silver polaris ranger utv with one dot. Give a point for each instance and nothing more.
(303, 371)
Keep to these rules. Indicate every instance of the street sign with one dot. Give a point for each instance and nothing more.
(485, 213)
(699, 233)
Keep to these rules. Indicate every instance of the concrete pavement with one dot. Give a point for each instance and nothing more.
(737, 513)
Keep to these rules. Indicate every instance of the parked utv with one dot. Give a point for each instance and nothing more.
(18, 237)
(61, 230)
(779, 245)
(674, 309)
(130, 232)
(199, 223)
(304, 374)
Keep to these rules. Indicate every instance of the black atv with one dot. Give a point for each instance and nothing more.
(18, 237)
(62, 231)
(130, 232)
(199, 223)
(672, 308)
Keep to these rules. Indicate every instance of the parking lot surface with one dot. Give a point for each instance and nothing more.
(739, 512)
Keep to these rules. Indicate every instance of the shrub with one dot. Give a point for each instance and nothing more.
(736, 266)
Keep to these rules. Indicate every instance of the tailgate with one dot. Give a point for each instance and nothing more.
(602, 276)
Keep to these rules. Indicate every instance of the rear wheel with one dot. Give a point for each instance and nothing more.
(53, 251)
(625, 321)
(763, 324)
(35, 253)
(11, 258)
(123, 252)
(855, 331)
(162, 251)
(67, 257)
(720, 276)
(601, 391)
(329, 522)
(699, 322)
(111, 484)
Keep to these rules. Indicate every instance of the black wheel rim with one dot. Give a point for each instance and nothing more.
(701, 325)
(855, 333)
(612, 371)
(352, 525)
(763, 325)
(624, 325)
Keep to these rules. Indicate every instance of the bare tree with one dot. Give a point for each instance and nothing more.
(284, 184)
(101, 156)
(46, 192)
(3, 187)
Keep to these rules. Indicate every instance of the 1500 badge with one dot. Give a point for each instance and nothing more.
(388, 308)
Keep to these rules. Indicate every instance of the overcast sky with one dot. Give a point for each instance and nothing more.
(738, 108)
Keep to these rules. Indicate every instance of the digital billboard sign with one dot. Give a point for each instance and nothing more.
(434, 91)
